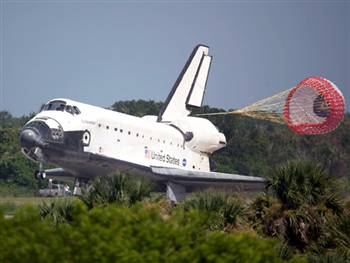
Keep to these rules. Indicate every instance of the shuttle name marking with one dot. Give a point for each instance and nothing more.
(88, 122)
(166, 158)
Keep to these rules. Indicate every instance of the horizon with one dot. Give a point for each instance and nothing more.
(109, 107)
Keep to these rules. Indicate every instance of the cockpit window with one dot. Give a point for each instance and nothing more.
(72, 110)
(76, 110)
(69, 109)
(55, 105)
(61, 106)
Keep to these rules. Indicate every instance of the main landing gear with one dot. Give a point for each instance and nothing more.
(79, 183)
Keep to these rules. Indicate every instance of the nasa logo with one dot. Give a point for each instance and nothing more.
(184, 162)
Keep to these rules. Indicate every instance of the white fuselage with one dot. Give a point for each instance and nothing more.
(138, 140)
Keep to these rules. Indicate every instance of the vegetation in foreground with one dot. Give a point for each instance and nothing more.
(300, 219)
(119, 234)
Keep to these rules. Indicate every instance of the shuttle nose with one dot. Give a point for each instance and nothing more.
(29, 138)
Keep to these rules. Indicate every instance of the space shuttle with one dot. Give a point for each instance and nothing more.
(172, 149)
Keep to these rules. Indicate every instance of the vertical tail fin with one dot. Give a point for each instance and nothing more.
(189, 88)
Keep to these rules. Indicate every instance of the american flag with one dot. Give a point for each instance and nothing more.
(148, 154)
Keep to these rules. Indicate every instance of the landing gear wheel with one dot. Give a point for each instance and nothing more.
(40, 174)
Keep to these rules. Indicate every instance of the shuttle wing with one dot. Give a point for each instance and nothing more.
(179, 182)
(183, 176)
(188, 90)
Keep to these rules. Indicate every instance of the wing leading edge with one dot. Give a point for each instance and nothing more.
(175, 174)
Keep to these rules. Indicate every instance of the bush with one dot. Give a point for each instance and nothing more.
(221, 208)
(57, 211)
(301, 182)
(306, 213)
(121, 234)
(120, 188)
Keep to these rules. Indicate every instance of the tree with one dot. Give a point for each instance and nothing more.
(306, 203)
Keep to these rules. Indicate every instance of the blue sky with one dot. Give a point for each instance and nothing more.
(99, 52)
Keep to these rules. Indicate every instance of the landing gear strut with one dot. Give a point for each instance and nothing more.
(40, 174)
(77, 189)
(79, 183)
(175, 192)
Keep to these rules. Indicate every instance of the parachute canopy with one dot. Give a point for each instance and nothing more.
(314, 106)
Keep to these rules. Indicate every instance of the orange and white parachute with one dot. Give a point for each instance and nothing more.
(314, 106)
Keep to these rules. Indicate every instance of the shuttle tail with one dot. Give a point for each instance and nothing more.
(188, 90)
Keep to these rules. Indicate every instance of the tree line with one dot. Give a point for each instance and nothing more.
(254, 147)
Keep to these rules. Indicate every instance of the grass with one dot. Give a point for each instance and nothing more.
(10, 204)
(16, 191)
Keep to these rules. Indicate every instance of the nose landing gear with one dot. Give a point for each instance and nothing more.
(40, 174)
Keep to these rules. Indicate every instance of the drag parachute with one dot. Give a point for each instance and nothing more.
(314, 106)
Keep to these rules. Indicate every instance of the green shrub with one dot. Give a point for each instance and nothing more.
(57, 211)
(221, 208)
(301, 182)
(8, 207)
(118, 188)
(306, 213)
(122, 234)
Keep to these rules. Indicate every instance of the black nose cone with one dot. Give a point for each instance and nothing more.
(29, 139)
